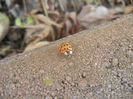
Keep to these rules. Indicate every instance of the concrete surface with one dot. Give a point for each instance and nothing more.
(101, 67)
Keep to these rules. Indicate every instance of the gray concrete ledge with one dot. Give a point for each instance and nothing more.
(103, 54)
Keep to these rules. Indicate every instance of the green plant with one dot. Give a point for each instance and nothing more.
(19, 22)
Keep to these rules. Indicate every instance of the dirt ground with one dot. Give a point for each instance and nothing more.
(101, 67)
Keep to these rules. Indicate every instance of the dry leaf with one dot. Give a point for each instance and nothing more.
(128, 9)
(46, 20)
(36, 45)
(35, 35)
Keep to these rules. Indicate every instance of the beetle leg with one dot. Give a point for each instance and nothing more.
(66, 53)
(70, 52)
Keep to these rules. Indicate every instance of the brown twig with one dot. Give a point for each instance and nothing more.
(25, 8)
(44, 7)
(30, 26)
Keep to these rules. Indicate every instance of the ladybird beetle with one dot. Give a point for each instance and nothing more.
(66, 48)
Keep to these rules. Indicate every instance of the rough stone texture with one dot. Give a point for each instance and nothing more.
(101, 67)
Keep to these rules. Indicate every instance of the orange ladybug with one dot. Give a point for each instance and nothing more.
(66, 48)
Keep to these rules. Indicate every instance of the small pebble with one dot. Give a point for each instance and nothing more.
(53, 94)
(41, 71)
(115, 62)
(131, 64)
(55, 97)
(68, 78)
(83, 84)
(57, 86)
(130, 53)
(107, 64)
(109, 86)
(83, 75)
(48, 97)
(71, 64)
(130, 46)
(73, 84)
(77, 97)
(115, 73)
(124, 48)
